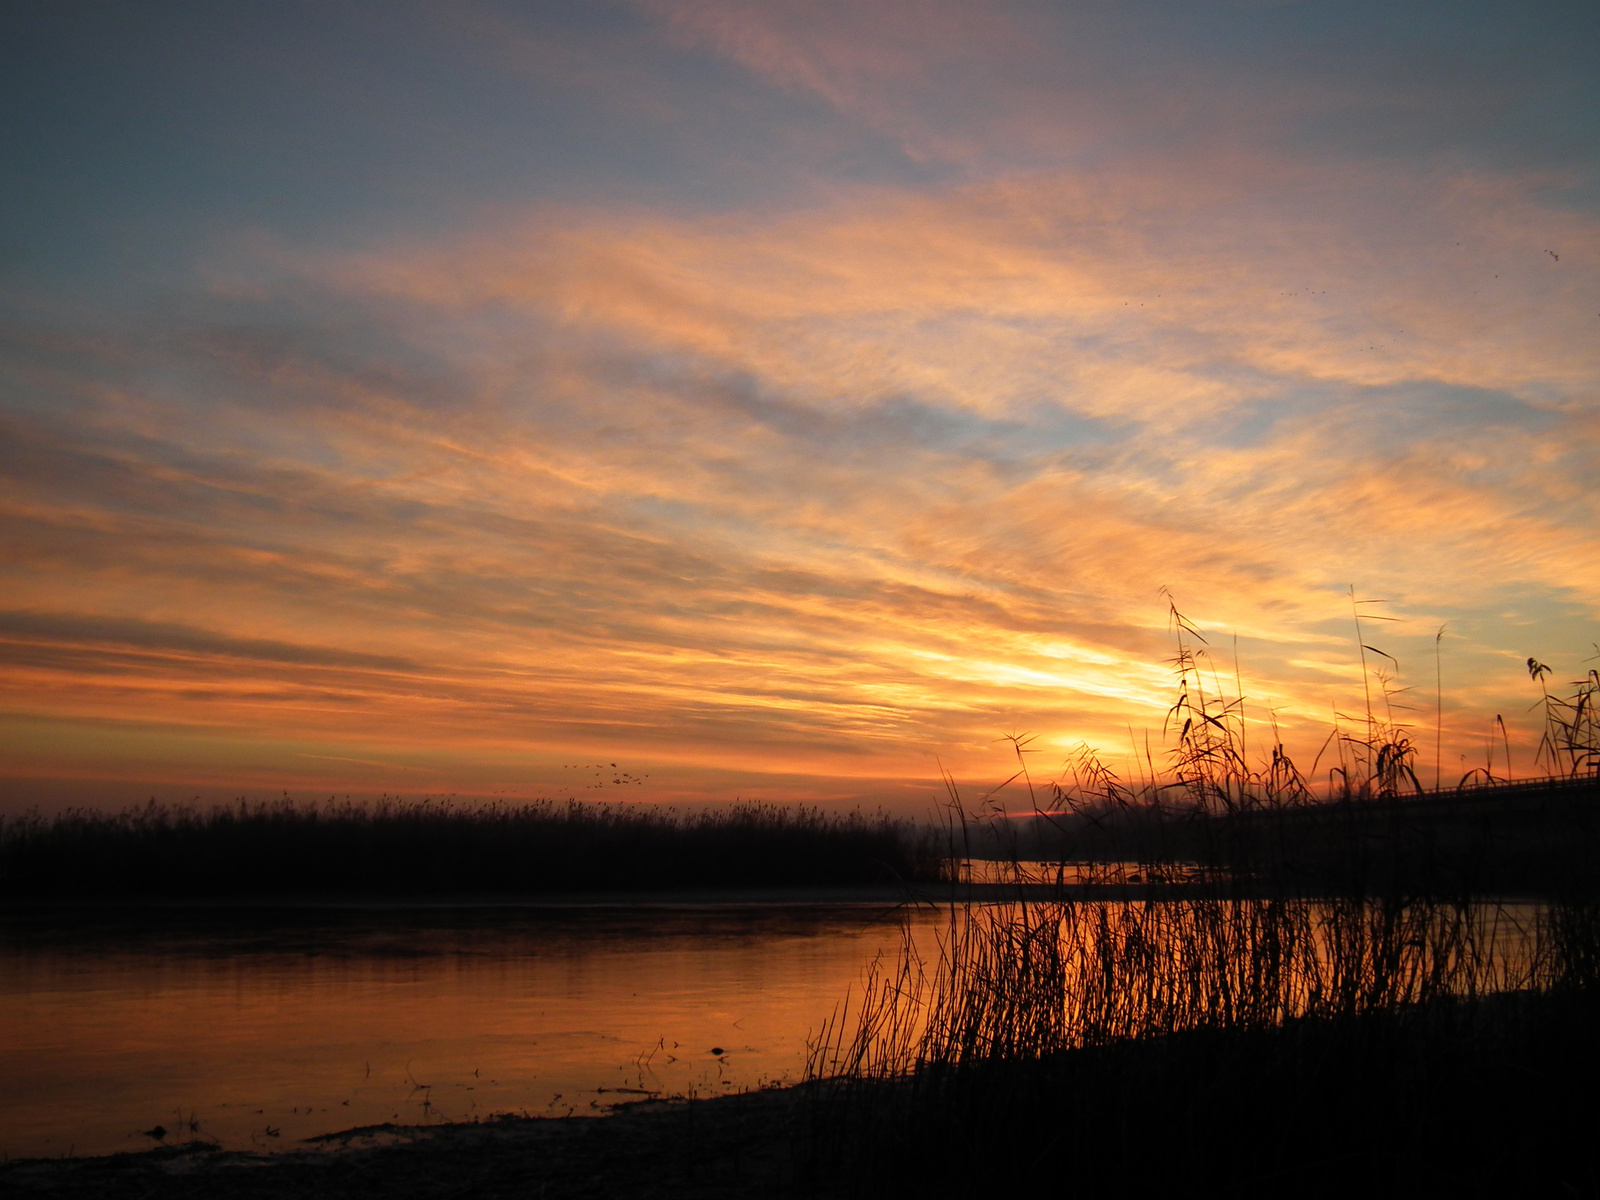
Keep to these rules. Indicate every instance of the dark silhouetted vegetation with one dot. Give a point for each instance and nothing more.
(1228, 1035)
(1360, 819)
(1262, 992)
(439, 849)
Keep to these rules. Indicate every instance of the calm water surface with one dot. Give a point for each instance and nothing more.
(262, 1028)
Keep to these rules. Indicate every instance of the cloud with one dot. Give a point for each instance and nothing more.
(805, 495)
(1020, 86)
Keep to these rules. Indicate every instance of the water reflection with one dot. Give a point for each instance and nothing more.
(257, 1029)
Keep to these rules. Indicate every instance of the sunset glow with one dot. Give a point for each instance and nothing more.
(778, 401)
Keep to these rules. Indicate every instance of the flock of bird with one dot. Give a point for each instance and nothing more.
(619, 778)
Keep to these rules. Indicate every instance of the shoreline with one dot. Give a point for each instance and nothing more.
(696, 1148)
(879, 897)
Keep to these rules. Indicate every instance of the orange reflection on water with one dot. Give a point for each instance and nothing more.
(263, 1029)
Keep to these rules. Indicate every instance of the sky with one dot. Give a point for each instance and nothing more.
(687, 402)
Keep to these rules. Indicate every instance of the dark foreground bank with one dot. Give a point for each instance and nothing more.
(1489, 1099)
(1493, 1098)
(727, 1147)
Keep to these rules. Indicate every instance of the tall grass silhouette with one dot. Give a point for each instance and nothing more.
(1570, 742)
(1241, 988)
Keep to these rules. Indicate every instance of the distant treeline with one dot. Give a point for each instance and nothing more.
(435, 848)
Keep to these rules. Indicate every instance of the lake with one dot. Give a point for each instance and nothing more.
(256, 1028)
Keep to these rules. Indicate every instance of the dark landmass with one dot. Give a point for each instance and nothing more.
(436, 849)
(1525, 837)
(1489, 1099)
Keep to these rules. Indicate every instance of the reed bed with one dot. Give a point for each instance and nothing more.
(435, 848)
(1027, 980)
(1218, 1044)
(1263, 990)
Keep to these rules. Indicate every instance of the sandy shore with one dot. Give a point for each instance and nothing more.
(732, 1146)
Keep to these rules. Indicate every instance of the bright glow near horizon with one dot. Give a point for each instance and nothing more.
(777, 400)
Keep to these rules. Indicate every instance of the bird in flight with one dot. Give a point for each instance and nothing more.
(1553, 255)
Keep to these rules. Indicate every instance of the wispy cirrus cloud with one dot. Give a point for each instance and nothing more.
(789, 500)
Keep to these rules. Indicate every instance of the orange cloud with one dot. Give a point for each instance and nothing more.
(790, 503)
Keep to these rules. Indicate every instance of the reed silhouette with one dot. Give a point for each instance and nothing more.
(434, 848)
(1240, 987)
